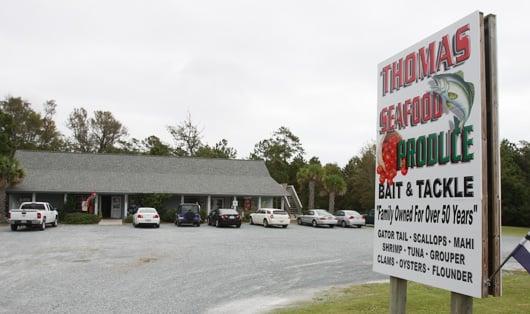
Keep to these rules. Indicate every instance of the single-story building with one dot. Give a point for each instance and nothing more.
(117, 180)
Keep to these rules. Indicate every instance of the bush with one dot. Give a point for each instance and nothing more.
(80, 219)
(128, 220)
(204, 214)
(168, 214)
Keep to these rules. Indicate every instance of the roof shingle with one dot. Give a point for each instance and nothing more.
(118, 173)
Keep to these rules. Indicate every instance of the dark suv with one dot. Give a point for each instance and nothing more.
(188, 214)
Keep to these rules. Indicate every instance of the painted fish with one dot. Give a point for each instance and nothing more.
(457, 94)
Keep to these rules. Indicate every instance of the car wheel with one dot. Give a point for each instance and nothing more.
(265, 223)
(217, 223)
(314, 223)
(284, 226)
(14, 227)
(198, 224)
(238, 226)
(299, 221)
(343, 224)
(56, 222)
(157, 226)
(208, 221)
(43, 226)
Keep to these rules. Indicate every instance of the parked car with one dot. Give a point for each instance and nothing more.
(270, 217)
(317, 217)
(188, 214)
(224, 217)
(349, 218)
(33, 214)
(146, 216)
(369, 217)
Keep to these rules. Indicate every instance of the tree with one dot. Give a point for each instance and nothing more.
(30, 130)
(11, 174)
(220, 150)
(106, 131)
(187, 136)
(50, 137)
(334, 185)
(515, 183)
(310, 175)
(154, 146)
(25, 131)
(79, 124)
(6, 129)
(278, 152)
(360, 179)
(101, 133)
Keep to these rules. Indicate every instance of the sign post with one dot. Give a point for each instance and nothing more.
(437, 191)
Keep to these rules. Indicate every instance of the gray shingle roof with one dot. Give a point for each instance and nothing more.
(113, 173)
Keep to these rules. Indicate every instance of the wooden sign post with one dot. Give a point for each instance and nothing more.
(437, 196)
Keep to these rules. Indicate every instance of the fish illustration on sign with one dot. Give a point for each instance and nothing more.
(457, 95)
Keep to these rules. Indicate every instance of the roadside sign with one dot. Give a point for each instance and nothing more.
(431, 191)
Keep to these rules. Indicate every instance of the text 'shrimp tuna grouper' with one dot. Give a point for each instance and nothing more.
(457, 95)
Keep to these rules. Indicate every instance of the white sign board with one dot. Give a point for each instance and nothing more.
(428, 193)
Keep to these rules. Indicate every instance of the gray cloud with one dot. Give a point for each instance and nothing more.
(242, 68)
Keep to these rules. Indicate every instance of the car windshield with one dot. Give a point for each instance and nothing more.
(322, 212)
(32, 206)
(147, 210)
(228, 212)
(279, 212)
(189, 208)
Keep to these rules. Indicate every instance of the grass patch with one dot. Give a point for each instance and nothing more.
(373, 298)
(515, 231)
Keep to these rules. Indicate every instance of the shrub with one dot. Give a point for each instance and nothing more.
(168, 214)
(128, 220)
(68, 207)
(80, 219)
(203, 213)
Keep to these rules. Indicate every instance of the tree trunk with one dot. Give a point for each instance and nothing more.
(311, 202)
(2, 204)
(331, 202)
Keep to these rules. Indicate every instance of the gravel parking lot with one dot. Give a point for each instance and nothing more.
(120, 269)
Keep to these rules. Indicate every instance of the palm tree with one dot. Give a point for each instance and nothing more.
(310, 174)
(334, 185)
(11, 173)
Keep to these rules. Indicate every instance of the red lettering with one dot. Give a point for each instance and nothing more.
(444, 54)
(461, 43)
(397, 75)
(410, 68)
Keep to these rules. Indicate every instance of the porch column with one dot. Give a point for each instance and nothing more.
(209, 204)
(259, 202)
(126, 205)
(283, 203)
(234, 199)
(11, 201)
(65, 199)
(96, 205)
(33, 197)
(181, 199)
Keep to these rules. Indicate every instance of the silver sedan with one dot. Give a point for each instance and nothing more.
(350, 218)
(317, 217)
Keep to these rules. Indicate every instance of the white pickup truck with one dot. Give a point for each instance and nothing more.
(33, 214)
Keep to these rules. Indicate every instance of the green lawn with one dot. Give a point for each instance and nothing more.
(373, 298)
(515, 231)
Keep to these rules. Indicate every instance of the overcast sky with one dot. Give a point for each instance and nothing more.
(241, 68)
